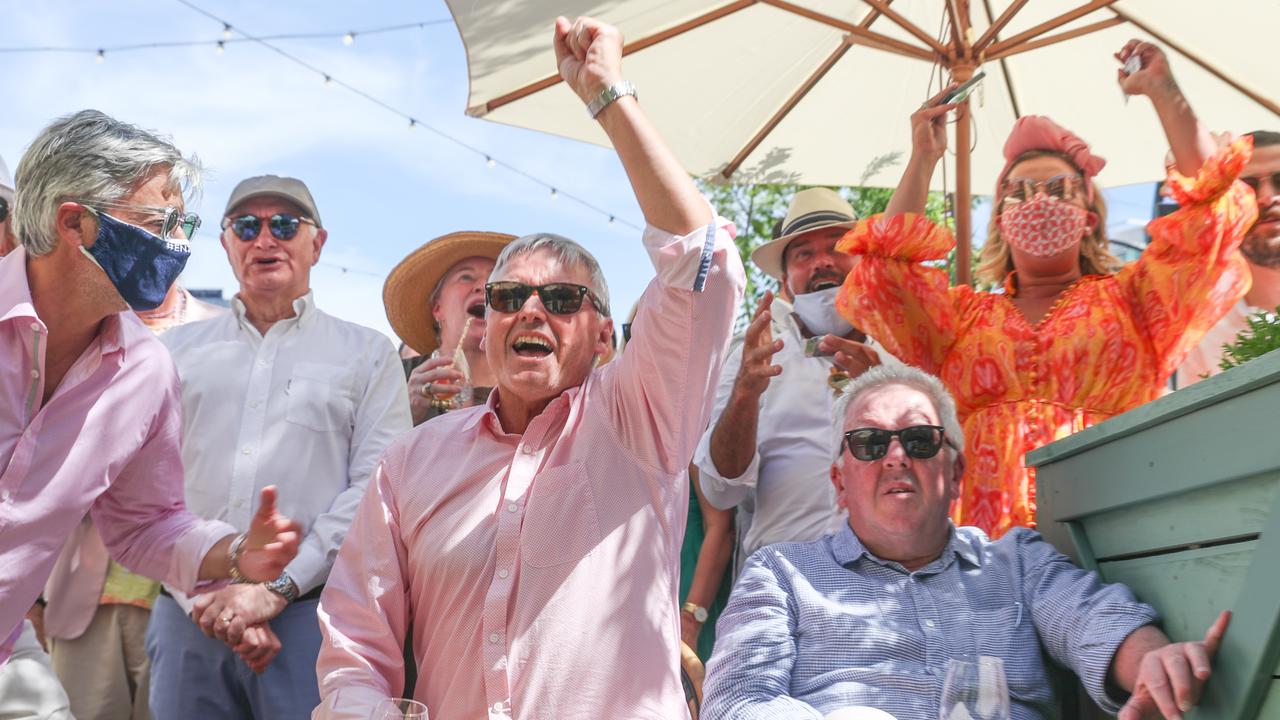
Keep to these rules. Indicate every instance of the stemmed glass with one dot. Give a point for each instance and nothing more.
(975, 688)
(399, 709)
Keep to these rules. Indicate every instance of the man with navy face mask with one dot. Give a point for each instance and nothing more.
(89, 415)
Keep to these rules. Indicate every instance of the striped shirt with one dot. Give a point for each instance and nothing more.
(814, 627)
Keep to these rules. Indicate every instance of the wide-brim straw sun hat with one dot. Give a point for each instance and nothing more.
(407, 293)
(811, 209)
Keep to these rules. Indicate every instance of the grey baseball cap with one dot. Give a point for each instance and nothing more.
(291, 189)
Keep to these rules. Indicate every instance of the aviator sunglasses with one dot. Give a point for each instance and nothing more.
(557, 298)
(172, 219)
(284, 226)
(918, 441)
(4, 209)
(1058, 187)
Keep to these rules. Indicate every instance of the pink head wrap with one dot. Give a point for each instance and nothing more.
(1037, 132)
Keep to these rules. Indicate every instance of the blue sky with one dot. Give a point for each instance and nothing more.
(382, 188)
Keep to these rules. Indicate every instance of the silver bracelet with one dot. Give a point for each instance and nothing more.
(233, 558)
(611, 94)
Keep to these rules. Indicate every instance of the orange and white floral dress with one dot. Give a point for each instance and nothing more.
(1108, 345)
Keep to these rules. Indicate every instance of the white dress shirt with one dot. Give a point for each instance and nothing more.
(788, 480)
(1204, 358)
(308, 408)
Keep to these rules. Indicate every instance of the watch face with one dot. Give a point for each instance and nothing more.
(700, 615)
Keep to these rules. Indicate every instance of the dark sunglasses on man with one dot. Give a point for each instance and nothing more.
(918, 441)
(557, 298)
(4, 209)
(283, 226)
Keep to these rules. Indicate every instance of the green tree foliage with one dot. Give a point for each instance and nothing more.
(1259, 338)
(758, 202)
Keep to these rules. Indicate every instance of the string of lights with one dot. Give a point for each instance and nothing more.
(228, 38)
(411, 121)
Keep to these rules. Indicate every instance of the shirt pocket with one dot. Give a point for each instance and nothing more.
(1006, 632)
(561, 524)
(317, 399)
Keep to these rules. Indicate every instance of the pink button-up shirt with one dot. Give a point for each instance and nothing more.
(107, 443)
(540, 571)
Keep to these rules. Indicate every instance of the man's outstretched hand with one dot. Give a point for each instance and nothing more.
(271, 543)
(1170, 678)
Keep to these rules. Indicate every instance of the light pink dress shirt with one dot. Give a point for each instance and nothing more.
(107, 443)
(540, 571)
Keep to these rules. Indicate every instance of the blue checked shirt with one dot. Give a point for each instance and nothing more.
(814, 627)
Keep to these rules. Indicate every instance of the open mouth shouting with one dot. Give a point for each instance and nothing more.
(531, 345)
(476, 310)
(824, 281)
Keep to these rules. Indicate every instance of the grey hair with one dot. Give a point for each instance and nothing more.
(886, 375)
(89, 157)
(566, 251)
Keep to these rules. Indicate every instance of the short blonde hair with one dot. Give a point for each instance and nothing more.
(996, 262)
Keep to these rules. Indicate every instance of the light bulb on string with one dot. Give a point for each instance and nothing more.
(611, 219)
(328, 82)
(221, 47)
(226, 31)
(412, 123)
(102, 56)
(554, 194)
(489, 161)
(348, 38)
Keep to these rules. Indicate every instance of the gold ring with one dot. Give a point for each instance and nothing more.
(225, 619)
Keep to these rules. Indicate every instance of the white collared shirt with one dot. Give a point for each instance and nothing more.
(789, 476)
(308, 408)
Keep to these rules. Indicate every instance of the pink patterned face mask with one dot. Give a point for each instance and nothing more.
(1043, 227)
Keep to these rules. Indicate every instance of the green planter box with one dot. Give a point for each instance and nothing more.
(1180, 500)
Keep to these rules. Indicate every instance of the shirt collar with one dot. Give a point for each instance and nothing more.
(491, 406)
(15, 292)
(303, 308)
(846, 548)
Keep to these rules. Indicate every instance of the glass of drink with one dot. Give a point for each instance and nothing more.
(399, 709)
(975, 688)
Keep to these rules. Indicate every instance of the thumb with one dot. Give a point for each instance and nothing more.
(559, 43)
(267, 506)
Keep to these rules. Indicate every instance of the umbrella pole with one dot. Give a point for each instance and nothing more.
(963, 204)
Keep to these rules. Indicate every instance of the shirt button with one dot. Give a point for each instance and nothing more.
(253, 403)
(928, 623)
(503, 574)
(35, 374)
(237, 504)
(497, 707)
(35, 326)
(262, 363)
(493, 638)
(527, 450)
(246, 451)
(512, 507)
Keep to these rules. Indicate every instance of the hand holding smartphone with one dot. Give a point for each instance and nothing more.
(963, 90)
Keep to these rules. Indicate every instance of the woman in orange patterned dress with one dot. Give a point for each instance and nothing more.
(1072, 340)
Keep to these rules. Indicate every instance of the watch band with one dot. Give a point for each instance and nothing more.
(284, 586)
(611, 94)
(233, 558)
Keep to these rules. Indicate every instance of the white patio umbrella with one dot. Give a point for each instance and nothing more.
(818, 91)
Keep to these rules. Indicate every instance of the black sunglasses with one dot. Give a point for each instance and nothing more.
(4, 209)
(1255, 181)
(919, 441)
(284, 226)
(626, 332)
(557, 298)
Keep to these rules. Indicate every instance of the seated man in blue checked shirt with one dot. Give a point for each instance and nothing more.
(871, 615)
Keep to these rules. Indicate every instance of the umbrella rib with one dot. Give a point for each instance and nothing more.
(1048, 25)
(786, 108)
(882, 42)
(1239, 86)
(1004, 70)
(1055, 39)
(989, 36)
(631, 47)
(907, 25)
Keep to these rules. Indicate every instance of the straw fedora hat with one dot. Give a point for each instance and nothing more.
(811, 209)
(407, 292)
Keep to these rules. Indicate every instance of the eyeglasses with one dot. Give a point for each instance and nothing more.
(4, 209)
(172, 220)
(626, 332)
(1255, 181)
(557, 298)
(1058, 187)
(283, 226)
(918, 441)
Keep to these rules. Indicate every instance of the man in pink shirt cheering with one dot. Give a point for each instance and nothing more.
(534, 541)
(89, 412)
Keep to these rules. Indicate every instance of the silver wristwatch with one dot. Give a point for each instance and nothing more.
(620, 89)
(284, 586)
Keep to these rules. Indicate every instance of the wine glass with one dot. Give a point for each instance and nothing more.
(399, 709)
(975, 689)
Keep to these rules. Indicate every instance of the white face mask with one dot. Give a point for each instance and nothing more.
(817, 310)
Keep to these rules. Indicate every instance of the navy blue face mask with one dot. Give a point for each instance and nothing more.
(140, 264)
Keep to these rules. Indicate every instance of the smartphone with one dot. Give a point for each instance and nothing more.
(1133, 64)
(963, 90)
(812, 349)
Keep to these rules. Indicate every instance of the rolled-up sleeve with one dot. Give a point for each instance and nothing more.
(749, 674)
(142, 517)
(364, 610)
(382, 415)
(1081, 620)
(722, 492)
(663, 384)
